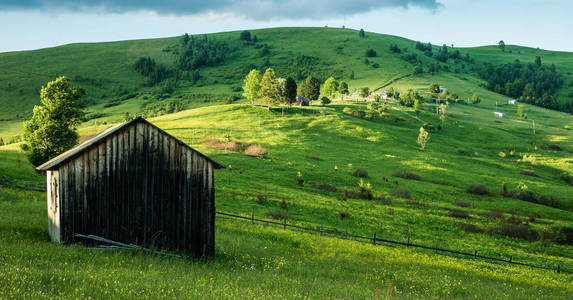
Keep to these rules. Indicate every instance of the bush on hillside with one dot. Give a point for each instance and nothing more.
(477, 189)
(325, 187)
(406, 175)
(521, 231)
(563, 235)
(528, 172)
(370, 52)
(361, 173)
(457, 213)
(400, 193)
(256, 151)
(471, 228)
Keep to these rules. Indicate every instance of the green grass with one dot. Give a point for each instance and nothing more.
(255, 260)
(251, 261)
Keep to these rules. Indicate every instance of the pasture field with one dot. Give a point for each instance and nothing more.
(319, 165)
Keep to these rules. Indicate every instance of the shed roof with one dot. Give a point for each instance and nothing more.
(56, 161)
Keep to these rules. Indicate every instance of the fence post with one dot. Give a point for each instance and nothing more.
(558, 268)
(374, 239)
(284, 226)
(253, 215)
(510, 258)
(3, 180)
(475, 254)
(408, 241)
(320, 229)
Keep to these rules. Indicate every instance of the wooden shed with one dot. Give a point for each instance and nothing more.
(134, 183)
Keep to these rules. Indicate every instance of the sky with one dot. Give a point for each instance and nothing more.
(34, 24)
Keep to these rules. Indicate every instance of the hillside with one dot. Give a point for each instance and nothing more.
(428, 202)
(106, 70)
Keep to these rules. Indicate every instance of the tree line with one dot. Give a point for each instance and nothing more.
(531, 83)
(270, 90)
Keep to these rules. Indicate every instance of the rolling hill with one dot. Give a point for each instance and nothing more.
(428, 197)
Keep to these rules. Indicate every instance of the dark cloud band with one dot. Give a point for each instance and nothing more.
(253, 9)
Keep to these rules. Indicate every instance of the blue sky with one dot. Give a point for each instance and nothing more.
(33, 24)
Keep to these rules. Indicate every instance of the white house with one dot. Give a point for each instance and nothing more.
(499, 114)
(511, 101)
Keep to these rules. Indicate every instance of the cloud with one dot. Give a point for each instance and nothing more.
(251, 9)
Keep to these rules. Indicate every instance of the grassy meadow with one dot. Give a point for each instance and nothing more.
(328, 146)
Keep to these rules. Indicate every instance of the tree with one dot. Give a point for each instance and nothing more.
(443, 112)
(330, 87)
(343, 89)
(270, 91)
(475, 98)
(538, 61)
(501, 45)
(418, 69)
(252, 85)
(521, 111)
(1, 142)
(52, 129)
(310, 88)
(245, 36)
(290, 91)
(364, 92)
(361, 33)
(410, 97)
(434, 88)
(351, 75)
(423, 138)
(324, 100)
(417, 106)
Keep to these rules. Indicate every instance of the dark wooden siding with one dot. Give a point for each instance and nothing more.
(140, 186)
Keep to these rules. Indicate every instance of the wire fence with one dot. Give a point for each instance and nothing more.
(4, 181)
(374, 240)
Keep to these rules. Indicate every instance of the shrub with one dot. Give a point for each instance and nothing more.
(400, 193)
(325, 187)
(256, 151)
(261, 199)
(461, 203)
(365, 190)
(299, 179)
(361, 173)
(495, 214)
(324, 100)
(386, 199)
(528, 172)
(370, 52)
(471, 228)
(566, 177)
(477, 189)
(563, 235)
(457, 213)
(406, 175)
(347, 110)
(343, 215)
(521, 231)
